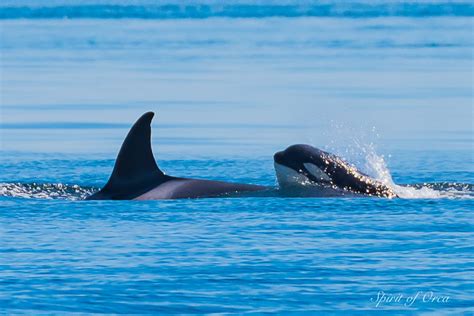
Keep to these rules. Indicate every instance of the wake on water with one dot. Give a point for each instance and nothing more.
(50, 191)
(60, 191)
(375, 166)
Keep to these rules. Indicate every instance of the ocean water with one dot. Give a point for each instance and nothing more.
(386, 84)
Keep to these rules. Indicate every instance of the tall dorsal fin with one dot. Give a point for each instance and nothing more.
(135, 171)
(135, 159)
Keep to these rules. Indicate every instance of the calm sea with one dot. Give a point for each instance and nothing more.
(387, 85)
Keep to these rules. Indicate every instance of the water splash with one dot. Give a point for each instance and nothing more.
(50, 191)
(357, 146)
(376, 167)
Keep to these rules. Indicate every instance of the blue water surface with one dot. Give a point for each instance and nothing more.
(385, 84)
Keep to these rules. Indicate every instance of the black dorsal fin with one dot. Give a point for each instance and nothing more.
(135, 171)
(135, 159)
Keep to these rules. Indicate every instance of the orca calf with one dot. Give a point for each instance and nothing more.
(136, 175)
(305, 165)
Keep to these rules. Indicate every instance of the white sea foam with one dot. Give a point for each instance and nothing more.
(50, 191)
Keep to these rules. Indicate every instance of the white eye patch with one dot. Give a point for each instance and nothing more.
(289, 177)
(316, 172)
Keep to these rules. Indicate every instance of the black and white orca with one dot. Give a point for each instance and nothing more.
(304, 165)
(136, 176)
(301, 170)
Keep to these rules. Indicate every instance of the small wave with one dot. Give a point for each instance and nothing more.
(450, 190)
(202, 11)
(51, 191)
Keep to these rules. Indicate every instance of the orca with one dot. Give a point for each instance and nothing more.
(136, 175)
(306, 166)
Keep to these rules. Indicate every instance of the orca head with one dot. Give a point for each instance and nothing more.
(306, 165)
(303, 165)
